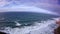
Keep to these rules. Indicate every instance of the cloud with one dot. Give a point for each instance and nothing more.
(25, 8)
(2, 3)
(24, 5)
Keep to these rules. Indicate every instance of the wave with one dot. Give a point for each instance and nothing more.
(45, 27)
(17, 23)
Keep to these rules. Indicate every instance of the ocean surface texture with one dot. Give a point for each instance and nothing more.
(27, 23)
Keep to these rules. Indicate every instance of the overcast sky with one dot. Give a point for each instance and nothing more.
(23, 5)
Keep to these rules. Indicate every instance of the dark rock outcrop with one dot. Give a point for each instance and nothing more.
(57, 31)
(3, 33)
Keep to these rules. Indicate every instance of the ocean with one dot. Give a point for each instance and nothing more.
(27, 23)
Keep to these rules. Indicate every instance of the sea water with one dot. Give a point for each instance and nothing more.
(27, 23)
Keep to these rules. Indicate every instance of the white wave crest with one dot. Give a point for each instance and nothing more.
(17, 24)
(46, 27)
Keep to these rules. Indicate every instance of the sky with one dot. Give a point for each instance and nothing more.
(25, 5)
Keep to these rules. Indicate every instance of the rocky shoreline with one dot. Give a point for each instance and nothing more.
(57, 31)
(3, 33)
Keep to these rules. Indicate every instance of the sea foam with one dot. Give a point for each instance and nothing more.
(45, 27)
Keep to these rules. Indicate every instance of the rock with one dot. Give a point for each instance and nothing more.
(3, 33)
(57, 31)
